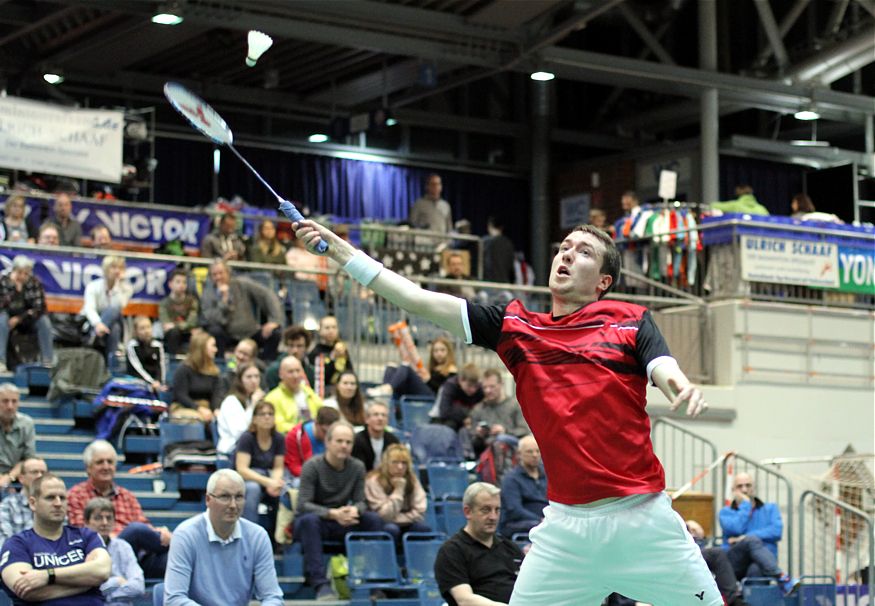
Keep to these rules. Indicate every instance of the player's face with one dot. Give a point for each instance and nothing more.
(576, 271)
(339, 445)
(483, 515)
(51, 504)
(101, 470)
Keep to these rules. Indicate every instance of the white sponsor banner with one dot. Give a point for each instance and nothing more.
(47, 138)
(784, 261)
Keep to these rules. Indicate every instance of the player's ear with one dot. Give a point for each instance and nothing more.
(605, 281)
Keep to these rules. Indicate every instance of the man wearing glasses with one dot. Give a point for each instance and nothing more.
(751, 531)
(15, 512)
(218, 558)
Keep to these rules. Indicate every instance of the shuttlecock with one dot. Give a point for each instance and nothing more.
(258, 43)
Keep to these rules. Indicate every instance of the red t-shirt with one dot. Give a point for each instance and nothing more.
(581, 383)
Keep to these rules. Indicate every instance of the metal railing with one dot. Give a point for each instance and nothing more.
(838, 541)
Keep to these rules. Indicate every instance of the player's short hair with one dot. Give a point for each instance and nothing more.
(98, 505)
(610, 258)
(228, 474)
(474, 490)
(36, 486)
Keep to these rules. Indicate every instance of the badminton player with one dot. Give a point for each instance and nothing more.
(581, 373)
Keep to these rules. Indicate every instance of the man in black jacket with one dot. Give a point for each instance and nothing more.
(371, 441)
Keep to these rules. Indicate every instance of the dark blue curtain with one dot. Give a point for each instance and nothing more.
(350, 190)
(774, 184)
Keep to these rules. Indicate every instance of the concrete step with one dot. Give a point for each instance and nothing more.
(62, 444)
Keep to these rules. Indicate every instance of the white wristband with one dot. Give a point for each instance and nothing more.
(362, 268)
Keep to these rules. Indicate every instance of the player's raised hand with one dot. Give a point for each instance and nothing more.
(311, 233)
(692, 395)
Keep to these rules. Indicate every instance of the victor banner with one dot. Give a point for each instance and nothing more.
(48, 138)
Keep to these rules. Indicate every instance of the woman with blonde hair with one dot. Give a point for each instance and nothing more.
(394, 493)
(196, 385)
(104, 300)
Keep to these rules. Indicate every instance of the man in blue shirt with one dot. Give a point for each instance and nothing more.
(126, 582)
(53, 563)
(524, 491)
(751, 531)
(218, 558)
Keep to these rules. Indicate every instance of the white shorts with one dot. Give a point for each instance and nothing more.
(636, 546)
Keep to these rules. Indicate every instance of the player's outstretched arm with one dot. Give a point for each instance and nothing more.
(672, 381)
(442, 309)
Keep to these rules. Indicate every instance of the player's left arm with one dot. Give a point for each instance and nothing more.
(663, 369)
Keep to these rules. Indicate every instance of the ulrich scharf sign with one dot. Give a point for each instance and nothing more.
(786, 261)
(48, 138)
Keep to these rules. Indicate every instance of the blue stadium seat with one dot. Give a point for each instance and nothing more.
(180, 432)
(446, 480)
(761, 591)
(414, 411)
(451, 517)
(435, 443)
(158, 595)
(372, 561)
(420, 551)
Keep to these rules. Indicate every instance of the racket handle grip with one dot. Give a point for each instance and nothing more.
(293, 214)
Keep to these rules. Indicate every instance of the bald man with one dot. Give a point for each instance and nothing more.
(293, 399)
(524, 490)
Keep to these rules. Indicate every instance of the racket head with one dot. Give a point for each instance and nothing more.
(199, 114)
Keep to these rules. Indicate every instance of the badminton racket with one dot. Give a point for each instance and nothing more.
(209, 123)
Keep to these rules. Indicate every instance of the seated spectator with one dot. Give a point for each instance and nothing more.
(235, 412)
(126, 582)
(259, 460)
(23, 310)
(49, 235)
(101, 238)
(751, 531)
(244, 353)
(331, 503)
(404, 380)
(15, 513)
(348, 399)
(524, 491)
(800, 206)
(458, 396)
(306, 440)
(719, 565)
(178, 313)
(52, 562)
(18, 435)
(224, 242)
(745, 202)
(104, 300)
(69, 229)
(267, 248)
(496, 415)
(231, 309)
(196, 385)
(148, 542)
(394, 492)
(15, 220)
(145, 355)
(456, 271)
(476, 563)
(297, 341)
(373, 440)
(233, 557)
(294, 401)
(329, 356)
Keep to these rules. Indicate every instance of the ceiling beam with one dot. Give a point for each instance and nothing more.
(643, 32)
(773, 34)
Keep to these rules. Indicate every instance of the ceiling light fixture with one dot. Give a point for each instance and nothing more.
(168, 14)
(53, 77)
(809, 113)
(542, 76)
(317, 138)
